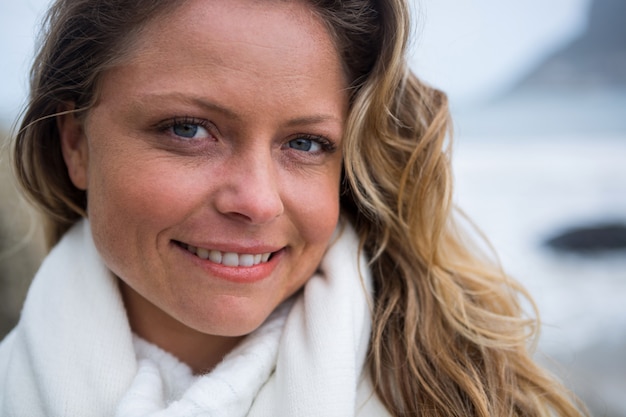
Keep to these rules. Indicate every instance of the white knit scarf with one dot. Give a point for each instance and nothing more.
(72, 353)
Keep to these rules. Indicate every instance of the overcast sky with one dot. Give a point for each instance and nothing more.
(469, 48)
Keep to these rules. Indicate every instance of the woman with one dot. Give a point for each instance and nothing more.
(249, 209)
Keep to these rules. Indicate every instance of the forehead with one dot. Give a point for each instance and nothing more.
(235, 51)
(267, 24)
(288, 35)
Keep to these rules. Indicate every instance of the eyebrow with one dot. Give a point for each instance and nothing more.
(196, 101)
(230, 114)
(311, 120)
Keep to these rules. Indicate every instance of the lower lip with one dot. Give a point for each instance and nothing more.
(237, 274)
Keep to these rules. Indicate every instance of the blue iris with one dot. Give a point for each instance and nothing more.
(185, 130)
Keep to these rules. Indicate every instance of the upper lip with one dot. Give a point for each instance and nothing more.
(252, 249)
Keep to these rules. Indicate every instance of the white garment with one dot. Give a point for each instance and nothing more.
(73, 354)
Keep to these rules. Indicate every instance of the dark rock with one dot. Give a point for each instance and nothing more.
(590, 239)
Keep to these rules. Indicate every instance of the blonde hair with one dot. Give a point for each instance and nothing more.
(449, 337)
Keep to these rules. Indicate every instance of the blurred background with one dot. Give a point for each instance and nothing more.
(538, 96)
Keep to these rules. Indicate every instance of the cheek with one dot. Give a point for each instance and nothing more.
(316, 219)
(124, 185)
(316, 210)
(130, 201)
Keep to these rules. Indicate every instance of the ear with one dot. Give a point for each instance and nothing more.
(73, 145)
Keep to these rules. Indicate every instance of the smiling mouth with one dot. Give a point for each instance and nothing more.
(231, 259)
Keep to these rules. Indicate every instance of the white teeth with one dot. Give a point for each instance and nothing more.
(202, 253)
(229, 258)
(215, 256)
(246, 260)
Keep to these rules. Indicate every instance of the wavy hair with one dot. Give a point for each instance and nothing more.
(449, 335)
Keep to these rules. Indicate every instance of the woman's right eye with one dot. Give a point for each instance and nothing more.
(187, 128)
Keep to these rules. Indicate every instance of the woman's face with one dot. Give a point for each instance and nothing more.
(216, 145)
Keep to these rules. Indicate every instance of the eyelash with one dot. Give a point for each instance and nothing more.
(327, 145)
(166, 125)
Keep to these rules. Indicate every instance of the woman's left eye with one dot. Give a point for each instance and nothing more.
(305, 144)
(189, 130)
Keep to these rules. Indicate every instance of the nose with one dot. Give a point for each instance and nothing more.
(250, 190)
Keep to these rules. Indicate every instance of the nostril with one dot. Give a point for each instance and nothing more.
(250, 208)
